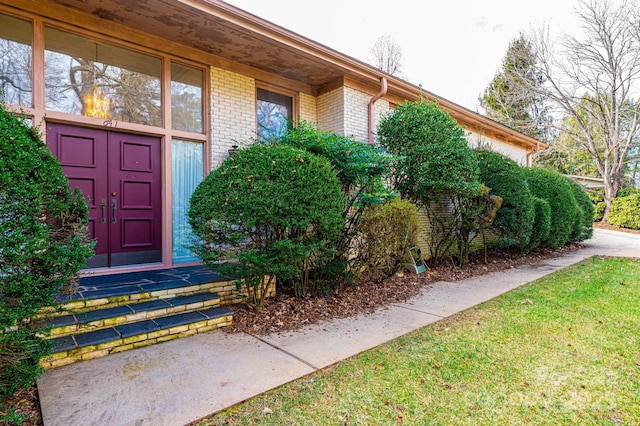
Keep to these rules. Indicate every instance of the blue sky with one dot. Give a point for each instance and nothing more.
(453, 48)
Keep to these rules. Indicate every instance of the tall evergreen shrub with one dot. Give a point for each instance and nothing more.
(43, 244)
(583, 227)
(541, 224)
(554, 188)
(435, 169)
(515, 219)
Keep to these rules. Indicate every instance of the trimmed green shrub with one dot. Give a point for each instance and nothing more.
(434, 157)
(269, 210)
(514, 221)
(555, 189)
(43, 245)
(598, 205)
(541, 224)
(625, 212)
(583, 227)
(435, 168)
(358, 165)
(385, 233)
(625, 192)
(362, 170)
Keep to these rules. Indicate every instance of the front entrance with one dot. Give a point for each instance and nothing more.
(119, 175)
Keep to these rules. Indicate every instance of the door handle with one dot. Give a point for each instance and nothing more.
(114, 207)
(103, 207)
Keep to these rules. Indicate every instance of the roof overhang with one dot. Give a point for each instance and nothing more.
(234, 36)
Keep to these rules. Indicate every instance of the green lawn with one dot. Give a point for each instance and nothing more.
(562, 350)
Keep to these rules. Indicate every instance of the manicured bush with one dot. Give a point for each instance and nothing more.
(434, 157)
(598, 205)
(362, 170)
(541, 224)
(514, 221)
(625, 212)
(269, 210)
(555, 189)
(43, 245)
(385, 233)
(583, 227)
(625, 192)
(435, 168)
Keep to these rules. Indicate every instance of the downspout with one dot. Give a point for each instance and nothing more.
(531, 153)
(383, 91)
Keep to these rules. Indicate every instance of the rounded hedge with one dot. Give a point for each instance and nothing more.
(434, 157)
(555, 189)
(541, 223)
(625, 212)
(515, 219)
(275, 208)
(583, 227)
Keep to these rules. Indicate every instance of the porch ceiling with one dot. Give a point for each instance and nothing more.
(221, 29)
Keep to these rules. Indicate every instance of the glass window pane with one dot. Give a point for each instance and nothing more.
(99, 80)
(15, 61)
(187, 169)
(186, 98)
(274, 112)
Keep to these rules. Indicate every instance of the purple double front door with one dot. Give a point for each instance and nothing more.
(119, 175)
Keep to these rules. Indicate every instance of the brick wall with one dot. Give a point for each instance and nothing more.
(516, 153)
(357, 113)
(308, 108)
(345, 111)
(331, 111)
(233, 112)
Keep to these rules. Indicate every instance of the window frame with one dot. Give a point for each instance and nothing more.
(278, 91)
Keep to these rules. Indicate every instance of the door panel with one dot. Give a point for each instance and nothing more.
(119, 174)
(135, 186)
(83, 156)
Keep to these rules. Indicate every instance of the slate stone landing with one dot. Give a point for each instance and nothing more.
(114, 313)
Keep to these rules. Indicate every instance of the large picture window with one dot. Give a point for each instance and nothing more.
(15, 61)
(99, 80)
(274, 113)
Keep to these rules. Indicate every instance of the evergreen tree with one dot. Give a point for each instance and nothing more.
(511, 97)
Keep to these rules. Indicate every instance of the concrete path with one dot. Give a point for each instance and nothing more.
(181, 381)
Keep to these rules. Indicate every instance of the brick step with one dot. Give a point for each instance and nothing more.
(77, 322)
(94, 344)
(123, 289)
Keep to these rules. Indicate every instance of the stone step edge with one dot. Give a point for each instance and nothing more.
(82, 305)
(81, 327)
(71, 356)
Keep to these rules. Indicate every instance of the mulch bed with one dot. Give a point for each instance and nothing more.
(286, 313)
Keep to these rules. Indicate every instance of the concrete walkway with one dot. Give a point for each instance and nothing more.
(181, 381)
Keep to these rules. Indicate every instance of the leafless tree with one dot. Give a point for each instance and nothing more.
(593, 78)
(386, 55)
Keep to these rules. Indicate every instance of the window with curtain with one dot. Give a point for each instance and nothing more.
(187, 164)
(274, 112)
(15, 61)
